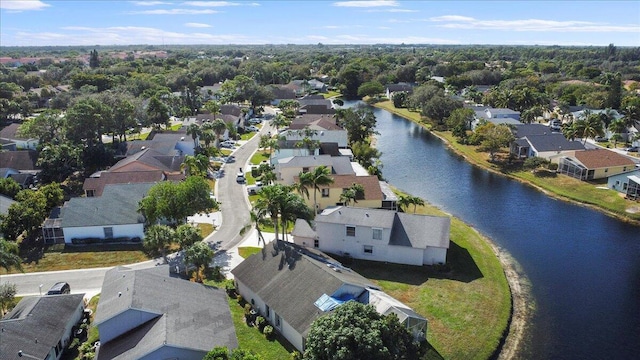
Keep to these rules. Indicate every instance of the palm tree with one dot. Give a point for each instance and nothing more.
(218, 127)
(157, 239)
(320, 176)
(213, 107)
(196, 165)
(257, 215)
(592, 127)
(293, 207)
(403, 202)
(271, 196)
(618, 127)
(9, 257)
(347, 196)
(199, 255)
(194, 131)
(415, 201)
(279, 121)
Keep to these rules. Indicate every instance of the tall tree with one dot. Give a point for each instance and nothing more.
(357, 331)
(157, 113)
(199, 255)
(9, 255)
(319, 176)
(86, 120)
(195, 132)
(94, 60)
(157, 239)
(360, 123)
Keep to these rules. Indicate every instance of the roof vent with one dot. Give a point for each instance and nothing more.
(119, 293)
(143, 147)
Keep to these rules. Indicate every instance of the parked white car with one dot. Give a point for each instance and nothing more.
(228, 144)
(254, 189)
(252, 128)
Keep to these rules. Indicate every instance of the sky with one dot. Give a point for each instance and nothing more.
(114, 22)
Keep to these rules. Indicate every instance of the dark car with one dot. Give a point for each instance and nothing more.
(632, 149)
(59, 288)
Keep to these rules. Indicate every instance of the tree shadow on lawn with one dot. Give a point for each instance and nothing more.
(460, 267)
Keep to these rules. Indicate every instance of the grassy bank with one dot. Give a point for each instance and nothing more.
(467, 302)
(560, 186)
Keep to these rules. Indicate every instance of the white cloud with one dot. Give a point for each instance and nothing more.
(174, 12)
(366, 4)
(211, 3)
(365, 39)
(536, 25)
(149, 3)
(394, 10)
(22, 5)
(125, 35)
(197, 25)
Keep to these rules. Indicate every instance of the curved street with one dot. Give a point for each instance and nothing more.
(234, 206)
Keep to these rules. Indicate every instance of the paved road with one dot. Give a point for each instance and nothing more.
(235, 209)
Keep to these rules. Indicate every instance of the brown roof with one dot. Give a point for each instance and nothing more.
(11, 132)
(601, 158)
(97, 184)
(371, 184)
(19, 160)
(315, 121)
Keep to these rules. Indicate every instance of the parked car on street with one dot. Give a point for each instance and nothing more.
(59, 288)
(255, 121)
(240, 179)
(632, 149)
(254, 189)
(252, 128)
(230, 144)
(601, 139)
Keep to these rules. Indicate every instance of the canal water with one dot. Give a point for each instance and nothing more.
(584, 267)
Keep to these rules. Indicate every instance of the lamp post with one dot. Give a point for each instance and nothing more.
(40, 289)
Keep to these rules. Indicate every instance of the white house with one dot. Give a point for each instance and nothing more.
(147, 314)
(323, 136)
(10, 133)
(377, 235)
(291, 286)
(110, 217)
(620, 182)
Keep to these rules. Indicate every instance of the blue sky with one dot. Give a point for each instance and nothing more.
(46, 22)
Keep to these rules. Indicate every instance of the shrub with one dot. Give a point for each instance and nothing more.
(240, 300)
(553, 166)
(268, 332)
(261, 323)
(296, 356)
(535, 162)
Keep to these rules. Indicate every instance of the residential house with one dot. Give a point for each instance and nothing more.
(595, 164)
(40, 326)
(322, 136)
(20, 166)
(147, 314)
(281, 92)
(287, 169)
(314, 122)
(291, 286)
(233, 114)
(377, 235)
(10, 133)
(112, 217)
(210, 92)
(173, 143)
(149, 160)
(329, 195)
(315, 104)
(496, 116)
(621, 183)
(537, 140)
(94, 185)
(391, 89)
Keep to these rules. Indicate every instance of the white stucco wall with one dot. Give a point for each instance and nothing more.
(258, 304)
(130, 230)
(333, 239)
(433, 256)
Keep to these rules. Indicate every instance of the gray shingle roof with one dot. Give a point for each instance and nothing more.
(291, 290)
(37, 317)
(118, 205)
(150, 159)
(340, 165)
(190, 316)
(303, 229)
(523, 130)
(553, 142)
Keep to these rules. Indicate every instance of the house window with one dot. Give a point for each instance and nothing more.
(606, 170)
(277, 320)
(267, 312)
(91, 193)
(368, 249)
(325, 192)
(377, 234)
(316, 243)
(108, 232)
(305, 169)
(351, 230)
(624, 186)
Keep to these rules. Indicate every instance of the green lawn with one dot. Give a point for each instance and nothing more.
(260, 156)
(247, 136)
(90, 256)
(247, 251)
(331, 94)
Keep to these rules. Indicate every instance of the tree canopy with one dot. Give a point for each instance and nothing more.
(356, 331)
